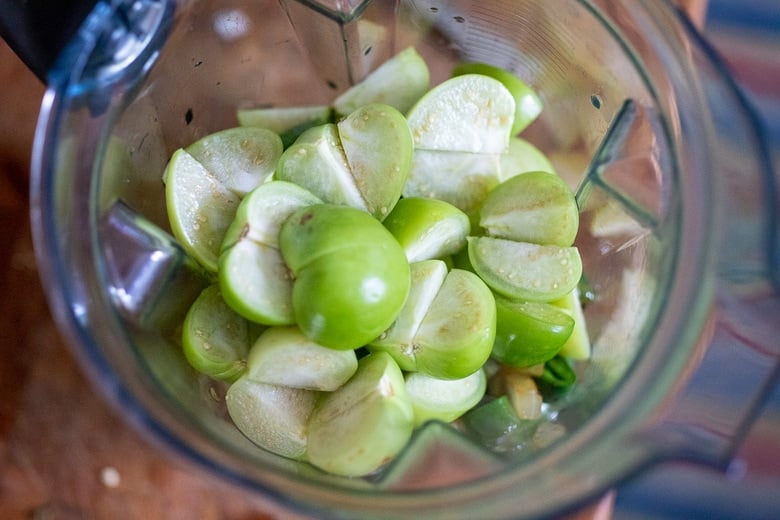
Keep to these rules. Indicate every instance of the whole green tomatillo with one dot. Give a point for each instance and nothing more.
(351, 275)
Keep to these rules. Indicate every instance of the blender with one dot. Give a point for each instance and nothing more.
(676, 194)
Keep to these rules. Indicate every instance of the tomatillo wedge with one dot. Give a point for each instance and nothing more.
(525, 271)
(240, 158)
(470, 113)
(461, 179)
(288, 122)
(378, 145)
(528, 105)
(351, 275)
(456, 335)
(428, 228)
(317, 163)
(284, 356)
(271, 416)
(492, 423)
(252, 275)
(260, 215)
(529, 333)
(578, 344)
(522, 157)
(398, 82)
(444, 399)
(427, 277)
(365, 423)
(256, 283)
(200, 208)
(215, 339)
(535, 207)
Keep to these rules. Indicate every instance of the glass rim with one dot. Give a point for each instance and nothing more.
(693, 291)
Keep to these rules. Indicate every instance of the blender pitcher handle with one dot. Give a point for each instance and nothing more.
(717, 406)
(740, 366)
(38, 30)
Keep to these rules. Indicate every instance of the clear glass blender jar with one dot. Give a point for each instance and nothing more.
(678, 211)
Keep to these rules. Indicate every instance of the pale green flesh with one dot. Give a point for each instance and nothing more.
(215, 339)
(578, 345)
(534, 207)
(528, 106)
(281, 119)
(317, 163)
(365, 423)
(521, 157)
(469, 113)
(444, 399)
(252, 272)
(456, 334)
(366, 136)
(288, 122)
(261, 213)
(284, 356)
(398, 82)
(273, 417)
(428, 228)
(200, 208)
(256, 283)
(240, 158)
(461, 179)
(525, 271)
(427, 277)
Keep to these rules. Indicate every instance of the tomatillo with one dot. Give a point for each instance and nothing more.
(529, 333)
(351, 275)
